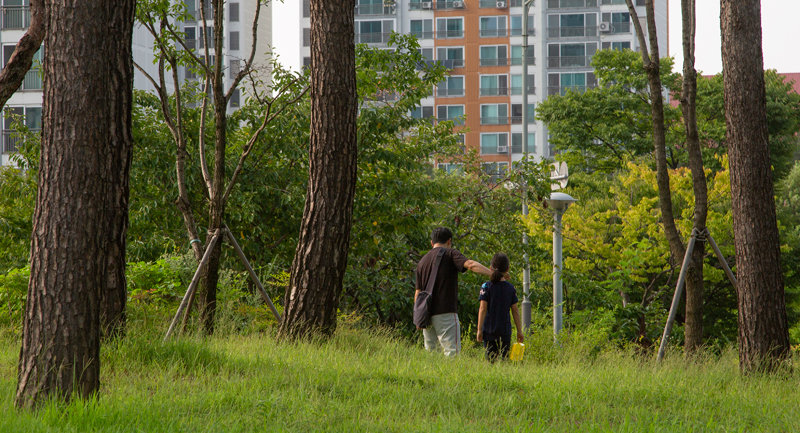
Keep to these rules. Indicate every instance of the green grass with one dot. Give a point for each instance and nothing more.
(371, 381)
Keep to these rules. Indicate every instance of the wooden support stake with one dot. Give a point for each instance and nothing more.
(252, 273)
(722, 260)
(676, 298)
(193, 284)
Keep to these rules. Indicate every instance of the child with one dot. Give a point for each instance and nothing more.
(497, 298)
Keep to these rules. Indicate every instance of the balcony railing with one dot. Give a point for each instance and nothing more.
(372, 38)
(33, 80)
(493, 4)
(515, 61)
(503, 61)
(11, 141)
(564, 4)
(517, 90)
(420, 5)
(518, 32)
(449, 34)
(444, 91)
(458, 121)
(562, 90)
(493, 33)
(15, 17)
(375, 9)
(502, 120)
(450, 4)
(571, 32)
(569, 62)
(494, 91)
(618, 28)
(423, 35)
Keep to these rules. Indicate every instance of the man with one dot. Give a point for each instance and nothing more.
(444, 328)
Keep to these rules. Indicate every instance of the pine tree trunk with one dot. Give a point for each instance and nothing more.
(693, 330)
(82, 147)
(763, 332)
(312, 296)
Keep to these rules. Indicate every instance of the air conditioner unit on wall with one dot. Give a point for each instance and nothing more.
(458, 4)
(605, 26)
(502, 149)
(501, 5)
(427, 5)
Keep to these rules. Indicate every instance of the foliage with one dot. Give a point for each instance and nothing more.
(617, 271)
(13, 292)
(788, 209)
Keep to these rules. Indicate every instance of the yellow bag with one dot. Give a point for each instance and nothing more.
(517, 351)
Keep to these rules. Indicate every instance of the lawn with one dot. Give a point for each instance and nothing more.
(364, 380)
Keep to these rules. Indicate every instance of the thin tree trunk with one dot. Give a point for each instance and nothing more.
(21, 60)
(693, 329)
(763, 331)
(81, 149)
(312, 296)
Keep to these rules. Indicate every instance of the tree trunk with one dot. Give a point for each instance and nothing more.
(216, 209)
(81, 149)
(320, 259)
(693, 329)
(763, 333)
(22, 58)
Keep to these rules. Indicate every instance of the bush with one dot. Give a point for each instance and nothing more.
(13, 291)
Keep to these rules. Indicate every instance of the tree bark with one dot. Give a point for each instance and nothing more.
(763, 331)
(312, 296)
(693, 328)
(81, 149)
(21, 60)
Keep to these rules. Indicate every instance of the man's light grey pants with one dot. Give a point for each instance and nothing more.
(444, 330)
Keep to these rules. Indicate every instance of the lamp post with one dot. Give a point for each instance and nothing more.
(526, 274)
(558, 202)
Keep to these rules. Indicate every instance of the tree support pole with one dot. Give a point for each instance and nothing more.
(193, 285)
(252, 273)
(721, 259)
(676, 298)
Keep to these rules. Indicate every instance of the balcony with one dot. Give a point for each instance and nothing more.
(518, 32)
(502, 120)
(516, 61)
(567, 4)
(562, 90)
(517, 90)
(375, 9)
(496, 4)
(571, 32)
(617, 28)
(450, 4)
(494, 33)
(372, 38)
(503, 61)
(422, 35)
(569, 62)
(446, 92)
(450, 34)
(494, 91)
(15, 17)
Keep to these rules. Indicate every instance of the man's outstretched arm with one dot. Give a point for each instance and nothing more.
(478, 268)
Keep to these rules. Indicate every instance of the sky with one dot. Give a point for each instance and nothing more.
(780, 34)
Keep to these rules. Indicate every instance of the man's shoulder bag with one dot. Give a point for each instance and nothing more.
(422, 306)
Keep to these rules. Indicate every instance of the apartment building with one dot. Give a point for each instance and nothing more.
(480, 42)
(238, 39)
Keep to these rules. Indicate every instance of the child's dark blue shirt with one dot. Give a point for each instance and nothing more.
(500, 296)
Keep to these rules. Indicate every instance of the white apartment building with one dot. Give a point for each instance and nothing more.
(481, 42)
(238, 39)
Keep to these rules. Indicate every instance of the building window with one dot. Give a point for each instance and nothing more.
(494, 85)
(516, 84)
(236, 67)
(495, 170)
(625, 45)
(450, 168)
(493, 27)
(422, 29)
(306, 8)
(494, 55)
(447, 28)
(494, 114)
(516, 113)
(374, 32)
(451, 86)
(559, 84)
(570, 55)
(494, 143)
(306, 37)
(233, 10)
(618, 22)
(571, 25)
(557, 4)
(33, 78)
(30, 116)
(423, 112)
(516, 25)
(516, 55)
(233, 41)
(190, 37)
(451, 112)
(516, 142)
(235, 96)
(451, 57)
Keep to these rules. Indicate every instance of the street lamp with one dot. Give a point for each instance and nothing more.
(558, 202)
(526, 275)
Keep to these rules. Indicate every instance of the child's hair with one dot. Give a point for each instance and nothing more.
(499, 267)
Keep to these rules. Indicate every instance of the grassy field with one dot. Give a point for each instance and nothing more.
(370, 381)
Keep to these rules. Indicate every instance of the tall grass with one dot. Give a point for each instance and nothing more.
(362, 380)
